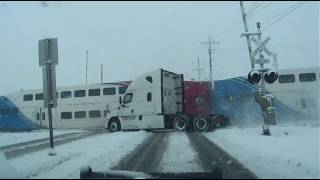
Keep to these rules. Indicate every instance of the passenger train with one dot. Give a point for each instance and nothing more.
(296, 92)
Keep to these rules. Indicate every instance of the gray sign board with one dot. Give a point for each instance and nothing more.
(48, 51)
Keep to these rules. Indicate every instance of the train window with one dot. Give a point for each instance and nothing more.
(80, 114)
(66, 115)
(28, 97)
(149, 79)
(65, 94)
(287, 78)
(149, 96)
(94, 114)
(127, 98)
(80, 93)
(43, 116)
(94, 92)
(38, 116)
(122, 90)
(307, 77)
(39, 96)
(109, 91)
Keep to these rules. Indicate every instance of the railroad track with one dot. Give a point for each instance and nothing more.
(211, 155)
(20, 149)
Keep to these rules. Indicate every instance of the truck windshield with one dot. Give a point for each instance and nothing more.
(127, 98)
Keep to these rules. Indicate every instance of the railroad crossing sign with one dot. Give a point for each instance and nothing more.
(261, 46)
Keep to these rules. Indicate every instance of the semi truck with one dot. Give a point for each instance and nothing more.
(163, 100)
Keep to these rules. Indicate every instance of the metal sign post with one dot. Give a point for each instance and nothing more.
(48, 58)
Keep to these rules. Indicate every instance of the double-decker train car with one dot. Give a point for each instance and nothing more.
(296, 92)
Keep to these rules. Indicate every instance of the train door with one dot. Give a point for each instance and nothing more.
(39, 116)
(305, 104)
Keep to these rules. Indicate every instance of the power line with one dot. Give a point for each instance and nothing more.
(293, 8)
(251, 11)
(264, 7)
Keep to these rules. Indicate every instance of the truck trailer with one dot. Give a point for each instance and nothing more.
(163, 100)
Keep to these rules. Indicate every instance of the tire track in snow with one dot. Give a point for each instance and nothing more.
(146, 156)
(211, 155)
(180, 155)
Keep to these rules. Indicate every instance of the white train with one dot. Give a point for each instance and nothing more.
(296, 91)
(299, 90)
(78, 107)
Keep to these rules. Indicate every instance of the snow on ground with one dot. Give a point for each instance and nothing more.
(291, 152)
(9, 138)
(179, 156)
(99, 151)
(6, 171)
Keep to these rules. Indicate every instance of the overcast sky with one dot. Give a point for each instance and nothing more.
(131, 38)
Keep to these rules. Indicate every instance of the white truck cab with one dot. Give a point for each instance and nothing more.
(152, 101)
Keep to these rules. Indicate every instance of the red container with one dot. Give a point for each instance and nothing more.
(197, 96)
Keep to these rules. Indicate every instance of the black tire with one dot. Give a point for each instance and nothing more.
(201, 123)
(180, 123)
(114, 125)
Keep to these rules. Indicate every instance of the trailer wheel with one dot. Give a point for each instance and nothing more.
(180, 123)
(201, 123)
(114, 125)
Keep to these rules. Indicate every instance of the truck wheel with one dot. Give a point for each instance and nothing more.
(114, 125)
(201, 123)
(180, 123)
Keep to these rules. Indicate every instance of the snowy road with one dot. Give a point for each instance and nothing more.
(100, 152)
(242, 153)
(181, 152)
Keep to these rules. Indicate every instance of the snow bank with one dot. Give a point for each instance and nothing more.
(179, 156)
(6, 170)
(291, 152)
(100, 152)
(9, 138)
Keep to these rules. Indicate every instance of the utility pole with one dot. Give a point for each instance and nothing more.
(209, 43)
(87, 67)
(246, 29)
(198, 69)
